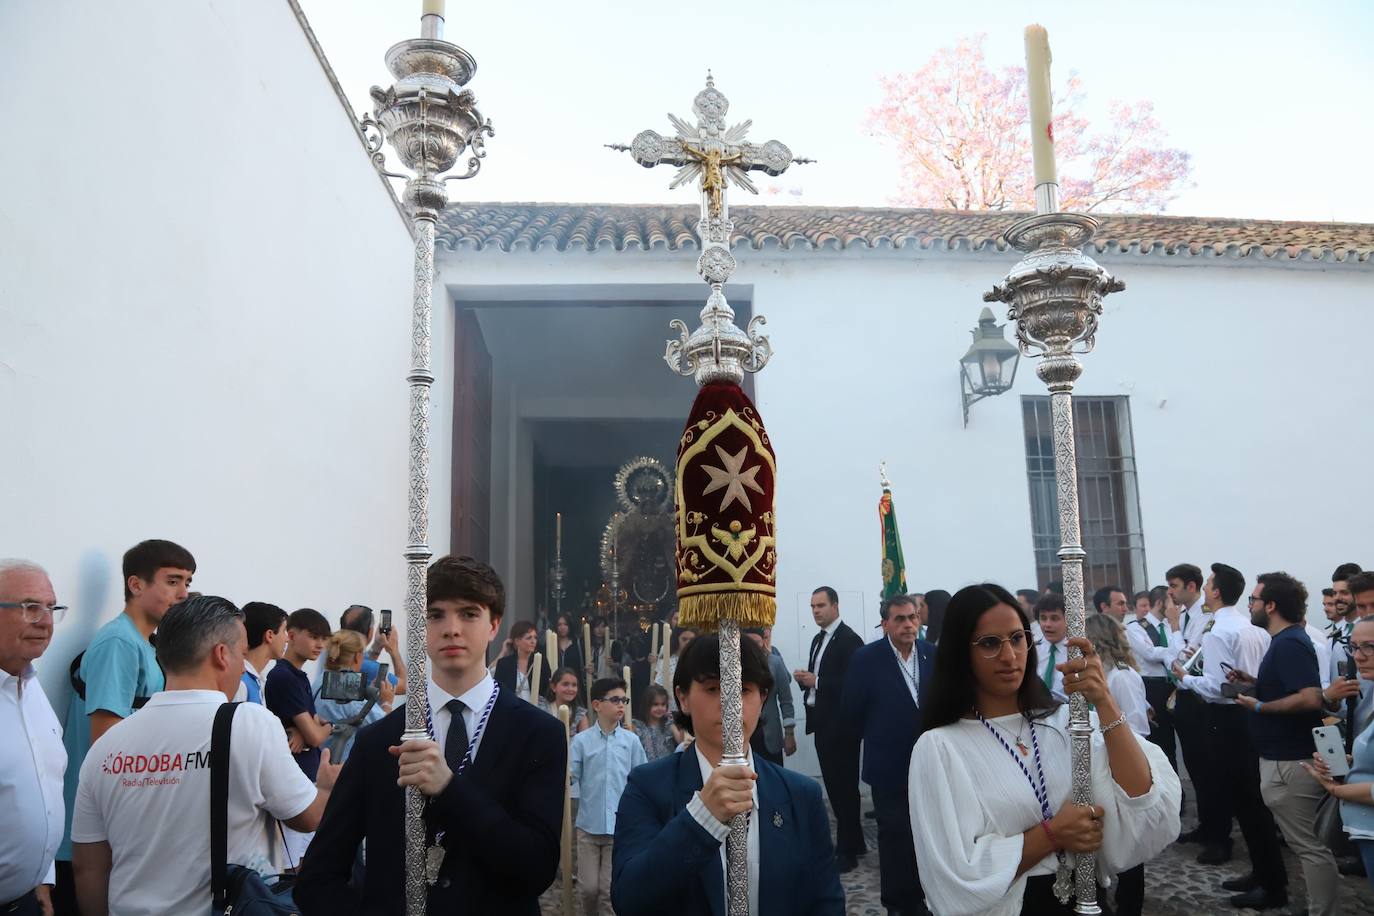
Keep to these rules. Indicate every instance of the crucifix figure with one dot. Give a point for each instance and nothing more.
(710, 152)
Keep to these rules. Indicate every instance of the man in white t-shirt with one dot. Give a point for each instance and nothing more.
(141, 830)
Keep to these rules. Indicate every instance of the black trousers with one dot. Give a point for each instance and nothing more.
(1157, 690)
(1237, 778)
(899, 877)
(1039, 899)
(26, 905)
(839, 759)
(1130, 891)
(1194, 737)
(64, 894)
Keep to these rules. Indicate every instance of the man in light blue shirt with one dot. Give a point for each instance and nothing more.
(601, 759)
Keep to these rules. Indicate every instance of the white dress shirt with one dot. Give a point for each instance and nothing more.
(32, 762)
(1128, 689)
(826, 634)
(1042, 662)
(911, 671)
(474, 702)
(1234, 641)
(703, 816)
(1154, 660)
(1192, 622)
(1321, 642)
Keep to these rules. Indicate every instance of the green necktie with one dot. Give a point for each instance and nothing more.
(1049, 668)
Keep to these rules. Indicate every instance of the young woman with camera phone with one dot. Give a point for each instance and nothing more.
(344, 652)
(991, 810)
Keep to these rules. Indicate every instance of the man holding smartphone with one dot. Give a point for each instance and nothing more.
(1285, 699)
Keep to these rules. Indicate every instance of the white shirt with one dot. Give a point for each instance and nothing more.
(474, 702)
(241, 695)
(970, 803)
(145, 790)
(1128, 689)
(1154, 660)
(1234, 641)
(32, 761)
(1042, 662)
(1192, 622)
(1321, 641)
(703, 816)
(826, 634)
(911, 671)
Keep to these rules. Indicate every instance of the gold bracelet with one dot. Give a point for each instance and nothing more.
(1120, 720)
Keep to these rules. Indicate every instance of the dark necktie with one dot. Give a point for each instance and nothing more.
(456, 742)
(815, 651)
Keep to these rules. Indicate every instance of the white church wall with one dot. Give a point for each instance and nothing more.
(204, 321)
(866, 370)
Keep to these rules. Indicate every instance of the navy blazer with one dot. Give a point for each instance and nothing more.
(503, 818)
(878, 707)
(665, 864)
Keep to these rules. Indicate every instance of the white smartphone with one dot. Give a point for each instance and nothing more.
(1332, 749)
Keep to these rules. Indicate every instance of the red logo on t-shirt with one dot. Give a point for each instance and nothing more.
(138, 764)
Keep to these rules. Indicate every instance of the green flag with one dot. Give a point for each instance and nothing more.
(894, 568)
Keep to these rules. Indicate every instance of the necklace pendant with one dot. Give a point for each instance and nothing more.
(1021, 746)
(1063, 882)
(434, 861)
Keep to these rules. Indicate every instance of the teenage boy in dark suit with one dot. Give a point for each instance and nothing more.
(493, 791)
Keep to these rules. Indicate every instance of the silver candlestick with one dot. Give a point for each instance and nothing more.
(430, 121)
(1055, 294)
(715, 157)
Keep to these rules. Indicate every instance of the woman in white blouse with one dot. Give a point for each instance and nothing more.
(1108, 637)
(990, 788)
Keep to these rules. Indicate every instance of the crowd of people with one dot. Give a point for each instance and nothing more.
(957, 718)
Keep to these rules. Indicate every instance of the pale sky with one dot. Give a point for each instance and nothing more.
(1270, 98)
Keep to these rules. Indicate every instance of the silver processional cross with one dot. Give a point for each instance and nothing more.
(715, 157)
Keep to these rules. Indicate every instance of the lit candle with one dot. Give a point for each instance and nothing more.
(433, 8)
(565, 715)
(629, 698)
(536, 669)
(664, 669)
(1042, 131)
(587, 646)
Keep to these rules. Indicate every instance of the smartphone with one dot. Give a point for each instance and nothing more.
(381, 674)
(343, 686)
(1331, 749)
(386, 622)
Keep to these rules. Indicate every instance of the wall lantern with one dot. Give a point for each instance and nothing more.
(989, 366)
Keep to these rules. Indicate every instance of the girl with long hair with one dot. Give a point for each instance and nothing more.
(992, 815)
(565, 690)
(656, 730)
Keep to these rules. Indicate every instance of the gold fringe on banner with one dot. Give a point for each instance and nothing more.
(751, 609)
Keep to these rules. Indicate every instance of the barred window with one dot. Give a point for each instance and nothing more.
(1108, 501)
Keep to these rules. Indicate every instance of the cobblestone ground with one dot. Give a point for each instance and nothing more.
(1175, 885)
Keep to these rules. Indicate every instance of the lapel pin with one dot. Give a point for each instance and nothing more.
(777, 819)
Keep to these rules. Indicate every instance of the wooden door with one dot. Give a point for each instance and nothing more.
(471, 509)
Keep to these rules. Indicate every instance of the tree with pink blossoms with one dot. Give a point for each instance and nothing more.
(963, 141)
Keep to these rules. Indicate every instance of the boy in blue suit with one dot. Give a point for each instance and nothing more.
(884, 694)
(670, 830)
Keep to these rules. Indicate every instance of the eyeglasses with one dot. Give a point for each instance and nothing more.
(33, 612)
(619, 701)
(991, 646)
(1257, 600)
(1362, 648)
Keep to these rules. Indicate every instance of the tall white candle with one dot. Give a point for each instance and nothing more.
(536, 669)
(629, 697)
(653, 652)
(587, 647)
(1038, 60)
(665, 671)
(551, 643)
(433, 8)
(558, 536)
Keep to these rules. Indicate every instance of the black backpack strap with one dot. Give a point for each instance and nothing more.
(219, 805)
(78, 685)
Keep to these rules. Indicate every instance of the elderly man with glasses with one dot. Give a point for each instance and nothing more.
(32, 758)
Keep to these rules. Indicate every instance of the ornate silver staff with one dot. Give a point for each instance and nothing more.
(726, 557)
(430, 121)
(1055, 297)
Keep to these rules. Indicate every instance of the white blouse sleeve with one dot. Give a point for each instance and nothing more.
(1128, 689)
(1134, 830)
(966, 868)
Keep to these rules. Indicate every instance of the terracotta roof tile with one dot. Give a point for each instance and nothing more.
(618, 227)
